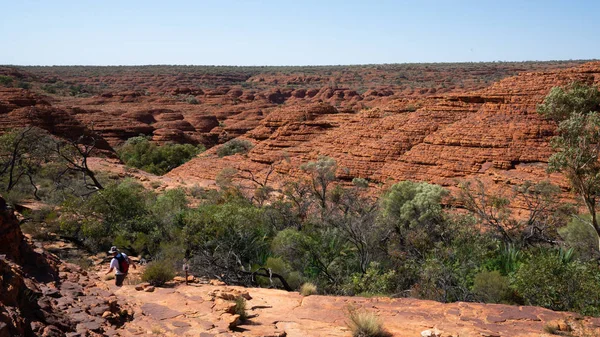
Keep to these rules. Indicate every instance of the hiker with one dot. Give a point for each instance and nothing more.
(120, 263)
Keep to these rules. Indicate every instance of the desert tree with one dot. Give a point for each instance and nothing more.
(542, 210)
(577, 142)
(355, 215)
(322, 175)
(298, 193)
(491, 209)
(545, 213)
(260, 184)
(22, 154)
(32, 156)
(414, 214)
(411, 204)
(75, 155)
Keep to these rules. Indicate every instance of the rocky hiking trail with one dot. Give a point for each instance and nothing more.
(207, 310)
(87, 304)
(40, 295)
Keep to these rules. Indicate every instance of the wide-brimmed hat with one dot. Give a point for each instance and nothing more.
(113, 250)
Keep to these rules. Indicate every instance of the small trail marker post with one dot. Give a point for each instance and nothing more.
(186, 269)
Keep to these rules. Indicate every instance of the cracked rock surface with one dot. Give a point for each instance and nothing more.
(206, 310)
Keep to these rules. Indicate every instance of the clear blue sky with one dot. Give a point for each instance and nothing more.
(283, 32)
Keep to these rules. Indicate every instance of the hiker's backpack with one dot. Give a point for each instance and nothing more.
(123, 263)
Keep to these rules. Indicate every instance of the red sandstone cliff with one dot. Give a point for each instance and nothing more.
(383, 133)
(20, 108)
(494, 134)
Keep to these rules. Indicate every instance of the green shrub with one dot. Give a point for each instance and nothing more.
(360, 182)
(127, 215)
(492, 287)
(231, 232)
(581, 237)
(376, 281)
(192, 100)
(308, 289)
(278, 266)
(141, 153)
(323, 255)
(365, 324)
(294, 279)
(510, 259)
(6, 80)
(24, 85)
(234, 146)
(550, 281)
(158, 273)
(415, 210)
(240, 308)
(448, 276)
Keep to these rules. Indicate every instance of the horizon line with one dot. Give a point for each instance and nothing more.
(293, 66)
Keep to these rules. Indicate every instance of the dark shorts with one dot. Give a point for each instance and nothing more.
(119, 279)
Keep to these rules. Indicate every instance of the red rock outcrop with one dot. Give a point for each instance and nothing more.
(42, 296)
(207, 310)
(494, 134)
(119, 101)
(11, 237)
(19, 108)
(390, 123)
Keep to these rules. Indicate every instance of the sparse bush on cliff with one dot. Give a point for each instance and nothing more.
(24, 85)
(322, 174)
(141, 153)
(192, 100)
(63, 89)
(6, 81)
(234, 146)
